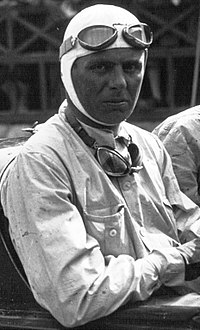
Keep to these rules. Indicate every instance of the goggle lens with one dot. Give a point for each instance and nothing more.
(95, 36)
(112, 162)
(140, 33)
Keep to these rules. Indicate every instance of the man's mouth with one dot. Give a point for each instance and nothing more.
(116, 102)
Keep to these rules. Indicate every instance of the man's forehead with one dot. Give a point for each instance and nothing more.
(112, 54)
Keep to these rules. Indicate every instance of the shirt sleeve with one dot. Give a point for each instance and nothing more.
(68, 274)
(185, 211)
(182, 144)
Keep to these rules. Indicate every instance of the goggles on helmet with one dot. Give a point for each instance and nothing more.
(99, 37)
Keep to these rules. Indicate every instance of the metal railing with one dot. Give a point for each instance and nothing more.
(30, 84)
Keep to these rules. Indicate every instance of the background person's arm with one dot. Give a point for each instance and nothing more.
(183, 145)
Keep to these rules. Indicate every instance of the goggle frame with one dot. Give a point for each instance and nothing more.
(137, 43)
(130, 169)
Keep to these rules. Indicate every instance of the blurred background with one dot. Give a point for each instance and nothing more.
(31, 32)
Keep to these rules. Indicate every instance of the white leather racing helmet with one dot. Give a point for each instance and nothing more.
(70, 50)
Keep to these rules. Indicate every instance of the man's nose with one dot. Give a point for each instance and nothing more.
(117, 78)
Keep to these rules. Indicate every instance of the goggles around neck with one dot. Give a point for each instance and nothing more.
(99, 37)
(114, 164)
(111, 161)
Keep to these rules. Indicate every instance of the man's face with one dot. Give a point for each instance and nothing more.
(108, 83)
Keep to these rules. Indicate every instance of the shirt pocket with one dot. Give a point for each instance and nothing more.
(107, 226)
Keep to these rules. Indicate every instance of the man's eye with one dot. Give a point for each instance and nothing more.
(100, 67)
(132, 67)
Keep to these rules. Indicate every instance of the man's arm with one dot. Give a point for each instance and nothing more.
(182, 144)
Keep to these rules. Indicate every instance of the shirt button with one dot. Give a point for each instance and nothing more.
(113, 232)
(126, 185)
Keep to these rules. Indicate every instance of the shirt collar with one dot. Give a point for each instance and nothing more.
(102, 136)
(105, 137)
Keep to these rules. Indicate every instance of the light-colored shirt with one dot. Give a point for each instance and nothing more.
(90, 243)
(180, 134)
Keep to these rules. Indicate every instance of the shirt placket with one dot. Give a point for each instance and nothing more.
(130, 191)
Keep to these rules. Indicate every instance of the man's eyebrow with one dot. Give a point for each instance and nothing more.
(136, 60)
(99, 61)
(111, 60)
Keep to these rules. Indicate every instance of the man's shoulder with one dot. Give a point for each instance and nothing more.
(49, 135)
(183, 120)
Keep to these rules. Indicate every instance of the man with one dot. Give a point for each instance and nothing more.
(181, 137)
(94, 208)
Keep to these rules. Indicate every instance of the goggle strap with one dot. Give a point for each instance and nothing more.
(136, 156)
(88, 140)
(85, 137)
(65, 47)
